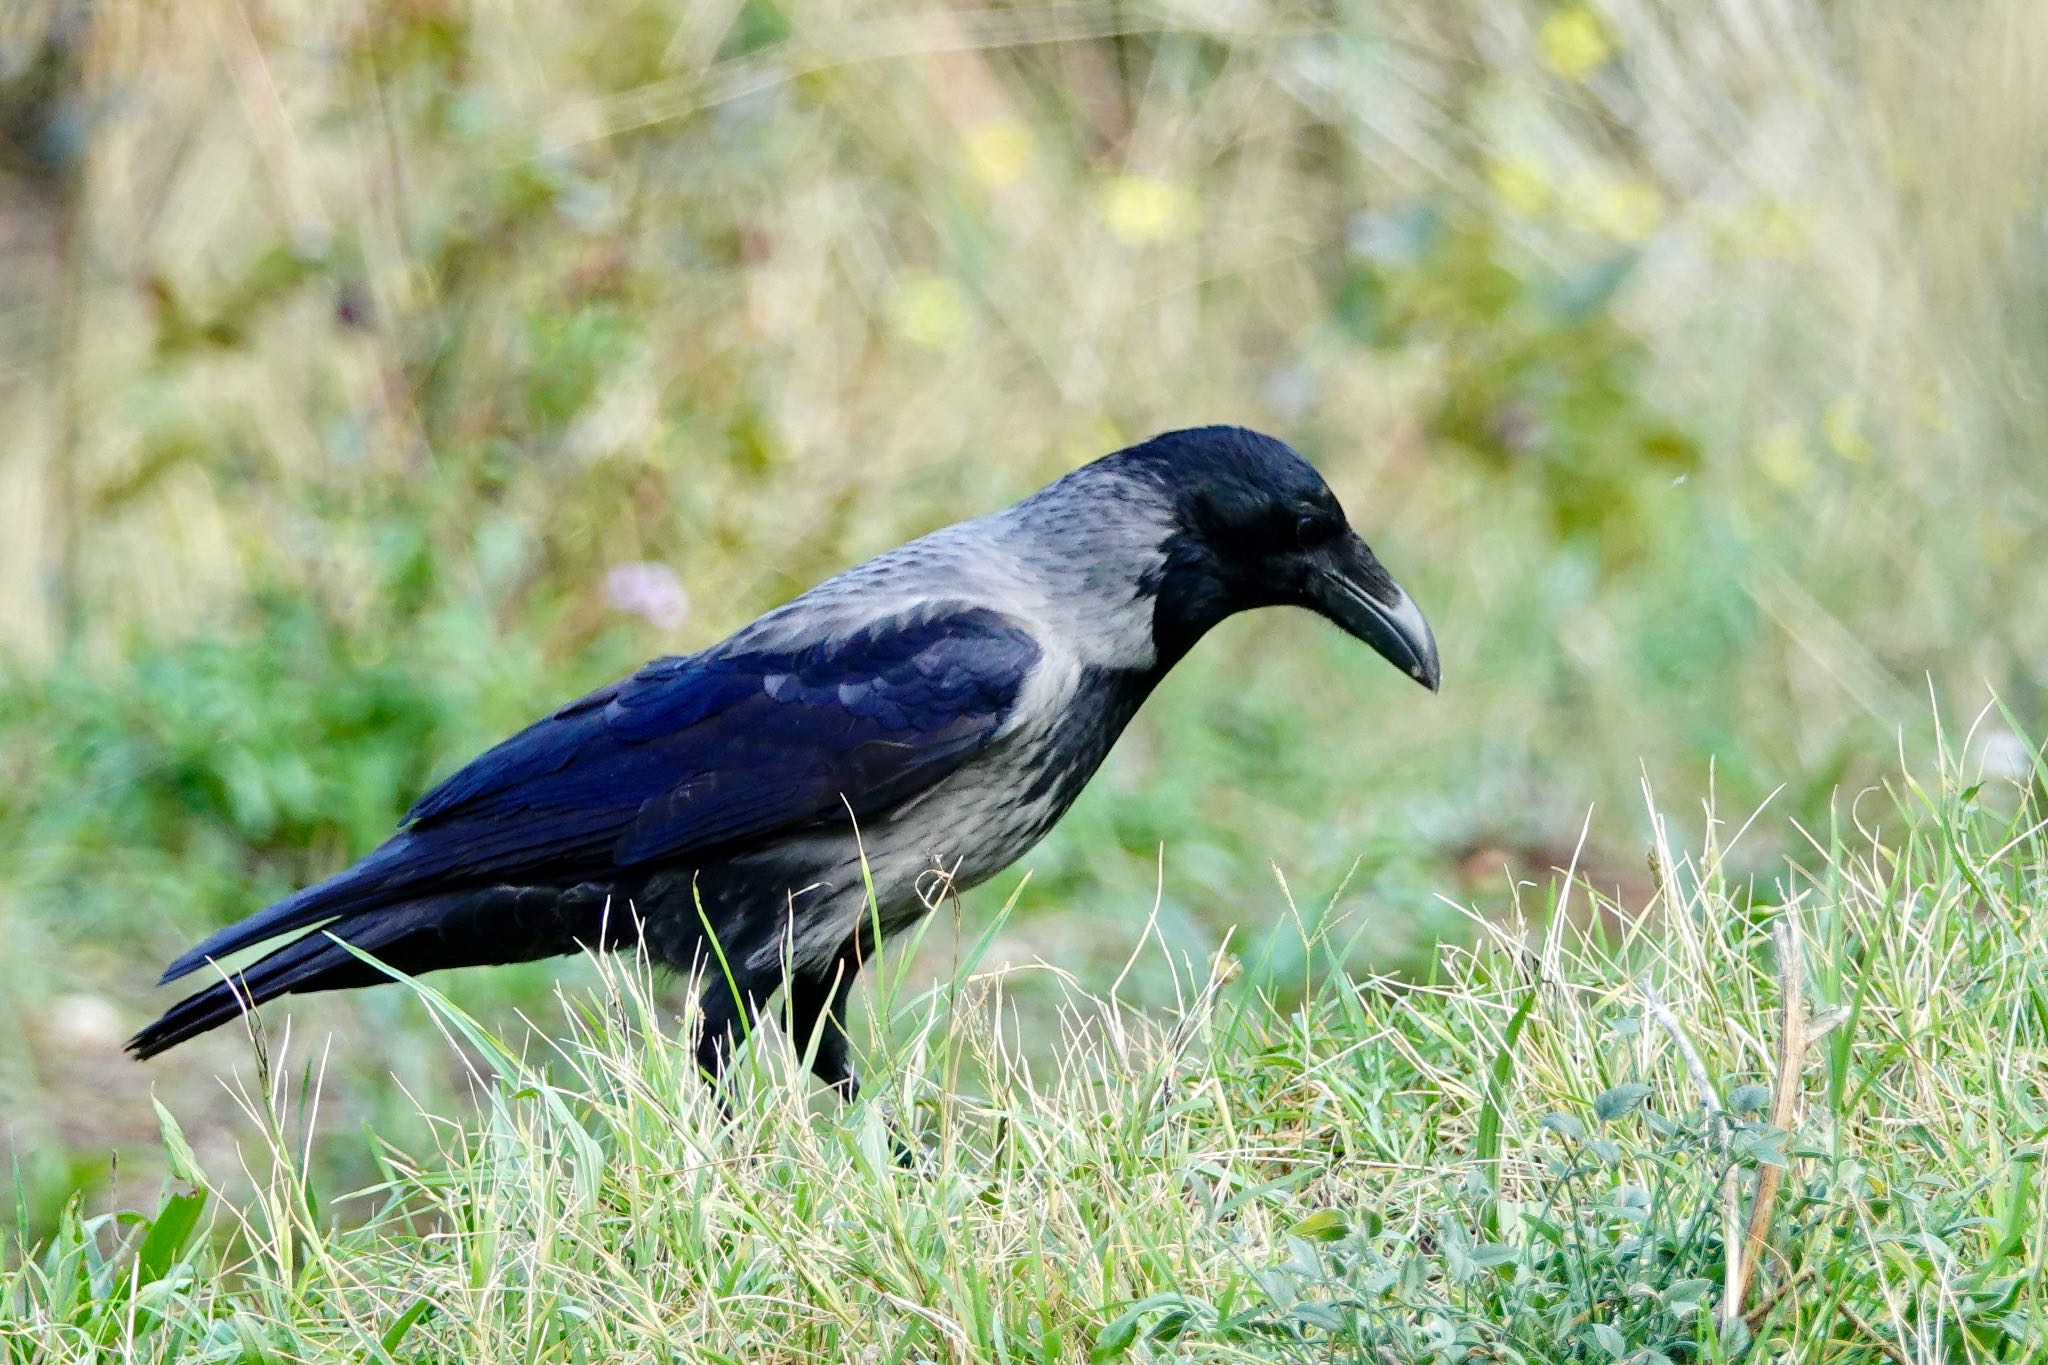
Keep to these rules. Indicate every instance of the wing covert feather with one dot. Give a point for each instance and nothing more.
(700, 752)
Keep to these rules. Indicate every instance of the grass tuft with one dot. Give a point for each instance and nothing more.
(1546, 1153)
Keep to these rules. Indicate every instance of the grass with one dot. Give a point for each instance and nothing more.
(1682, 358)
(1541, 1153)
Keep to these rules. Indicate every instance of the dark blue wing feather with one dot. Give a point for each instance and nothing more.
(688, 756)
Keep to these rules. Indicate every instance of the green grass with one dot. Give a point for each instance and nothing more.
(1533, 1155)
(1684, 360)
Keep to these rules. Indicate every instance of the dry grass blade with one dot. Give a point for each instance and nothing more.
(1792, 1043)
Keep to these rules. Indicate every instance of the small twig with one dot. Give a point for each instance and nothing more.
(1731, 1183)
(1784, 1111)
(1862, 1324)
(1695, 1067)
(1757, 1316)
(1732, 1274)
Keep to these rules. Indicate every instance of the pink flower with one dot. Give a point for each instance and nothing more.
(650, 591)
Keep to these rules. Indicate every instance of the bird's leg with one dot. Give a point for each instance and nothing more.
(817, 1001)
(725, 1019)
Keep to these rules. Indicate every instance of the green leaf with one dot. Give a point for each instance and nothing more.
(1749, 1099)
(1609, 1341)
(1118, 1334)
(184, 1164)
(1765, 1147)
(402, 1325)
(1320, 1315)
(1324, 1225)
(1688, 1291)
(1564, 1125)
(1277, 1287)
(167, 1235)
(1171, 1324)
(1486, 1142)
(1610, 1105)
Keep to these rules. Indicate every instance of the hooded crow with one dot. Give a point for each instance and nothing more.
(914, 725)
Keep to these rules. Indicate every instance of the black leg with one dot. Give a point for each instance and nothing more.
(817, 1002)
(726, 1018)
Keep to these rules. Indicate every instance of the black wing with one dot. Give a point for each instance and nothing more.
(689, 756)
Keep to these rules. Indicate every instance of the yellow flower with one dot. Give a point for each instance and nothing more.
(1518, 182)
(930, 311)
(1842, 427)
(1628, 210)
(999, 151)
(1574, 42)
(1782, 455)
(1141, 209)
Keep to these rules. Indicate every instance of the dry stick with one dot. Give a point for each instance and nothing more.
(1754, 1319)
(1784, 1106)
(1661, 1012)
(1862, 1324)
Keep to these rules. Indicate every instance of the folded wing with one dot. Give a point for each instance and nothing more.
(690, 757)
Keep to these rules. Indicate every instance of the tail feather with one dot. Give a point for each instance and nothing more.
(354, 888)
(314, 962)
(462, 929)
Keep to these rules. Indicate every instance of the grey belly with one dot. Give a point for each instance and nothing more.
(801, 899)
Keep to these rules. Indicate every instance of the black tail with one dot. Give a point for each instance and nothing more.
(313, 963)
(463, 929)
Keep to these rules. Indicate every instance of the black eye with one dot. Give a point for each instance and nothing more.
(1311, 529)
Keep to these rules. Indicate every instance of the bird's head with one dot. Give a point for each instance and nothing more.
(1254, 525)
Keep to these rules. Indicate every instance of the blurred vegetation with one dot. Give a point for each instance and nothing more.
(1685, 360)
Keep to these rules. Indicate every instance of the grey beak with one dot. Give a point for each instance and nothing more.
(1351, 589)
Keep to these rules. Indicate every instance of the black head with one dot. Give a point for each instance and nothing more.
(1256, 526)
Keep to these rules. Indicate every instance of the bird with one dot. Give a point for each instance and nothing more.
(763, 813)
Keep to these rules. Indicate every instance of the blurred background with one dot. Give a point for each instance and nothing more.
(376, 376)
